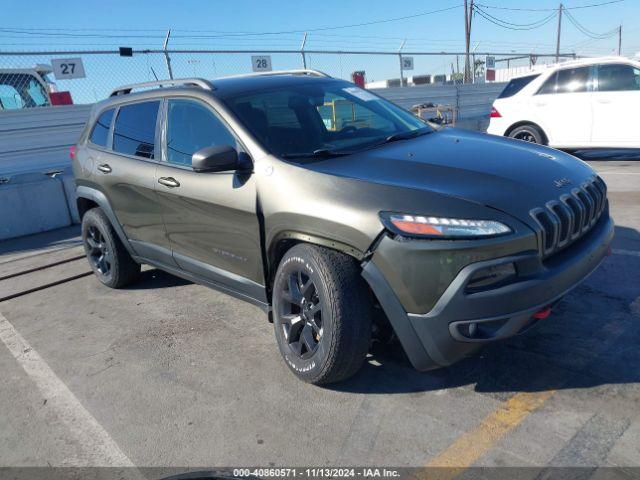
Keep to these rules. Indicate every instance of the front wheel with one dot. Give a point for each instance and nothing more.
(527, 133)
(322, 314)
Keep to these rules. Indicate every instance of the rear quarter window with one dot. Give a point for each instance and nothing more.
(100, 133)
(516, 85)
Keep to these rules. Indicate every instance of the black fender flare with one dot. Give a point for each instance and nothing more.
(100, 199)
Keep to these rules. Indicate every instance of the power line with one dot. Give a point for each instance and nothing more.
(514, 26)
(39, 34)
(589, 33)
(535, 24)
(319, 29)
(518, 9)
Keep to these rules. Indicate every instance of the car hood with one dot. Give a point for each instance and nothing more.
(509, 175)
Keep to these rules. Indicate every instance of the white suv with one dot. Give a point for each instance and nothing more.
(589, 103)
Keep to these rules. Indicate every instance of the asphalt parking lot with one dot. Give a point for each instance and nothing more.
(168, 373)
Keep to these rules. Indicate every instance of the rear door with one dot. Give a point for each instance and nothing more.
(616, 106)
(563, 106)
(210, 218)
(126, 172)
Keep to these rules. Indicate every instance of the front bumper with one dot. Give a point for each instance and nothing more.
(441, 336)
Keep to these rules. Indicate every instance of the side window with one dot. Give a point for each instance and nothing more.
(135, 129)
(569, 80)
(37, 93)
(573, 80)
(617, 78)
(21, 90)
(190, 127)
(100, 132)
(10, 98)
(549, 86)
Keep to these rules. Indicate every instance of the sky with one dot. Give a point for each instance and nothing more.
(217, 24)
(438, 31)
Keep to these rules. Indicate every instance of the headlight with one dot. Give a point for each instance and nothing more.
(440, 227)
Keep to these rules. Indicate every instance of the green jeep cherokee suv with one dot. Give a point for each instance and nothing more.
(337, 212)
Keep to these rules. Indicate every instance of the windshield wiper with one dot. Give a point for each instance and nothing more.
(406, 135)
(328, 153)
(320, 153)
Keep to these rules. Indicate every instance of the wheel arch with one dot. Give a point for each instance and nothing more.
(522, 123)
(285, 240)
(88, 198)
(84, 205)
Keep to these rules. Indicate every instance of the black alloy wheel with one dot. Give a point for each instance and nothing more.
(301, 315)
(528, 133)
(526, 136)
(98, 251)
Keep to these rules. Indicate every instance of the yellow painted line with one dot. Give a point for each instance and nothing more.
(469, 447)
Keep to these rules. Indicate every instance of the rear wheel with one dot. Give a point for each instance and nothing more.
(322, 314)
(527, 133)
(107, 256)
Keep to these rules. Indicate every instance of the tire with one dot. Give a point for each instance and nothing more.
(528, 133)
(107, 256)
(322, 313)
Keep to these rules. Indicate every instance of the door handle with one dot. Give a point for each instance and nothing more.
(540, 104)
(105, 168)
(169, 182)
(603, 100)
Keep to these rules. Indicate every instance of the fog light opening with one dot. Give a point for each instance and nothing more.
(484, 330)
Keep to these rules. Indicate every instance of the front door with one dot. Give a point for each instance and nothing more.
(563, 106)
(210, 218)
(616, 106)
(127, 171)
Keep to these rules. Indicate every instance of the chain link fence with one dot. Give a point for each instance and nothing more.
(32, 79)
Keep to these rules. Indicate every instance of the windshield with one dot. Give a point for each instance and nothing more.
(322, 119)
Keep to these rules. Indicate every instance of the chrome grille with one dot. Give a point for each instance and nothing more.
(569, 217)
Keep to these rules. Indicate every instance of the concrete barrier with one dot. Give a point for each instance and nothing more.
(69, 185)
(32, 203)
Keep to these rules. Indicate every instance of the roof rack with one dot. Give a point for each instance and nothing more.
(191, 82)
(205, 84)
(306, 71)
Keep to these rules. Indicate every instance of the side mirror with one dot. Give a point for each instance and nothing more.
(219, 158)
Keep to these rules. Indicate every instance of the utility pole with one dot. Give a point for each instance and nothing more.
(559, 29)
(620, 40)
(468, 14)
